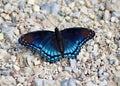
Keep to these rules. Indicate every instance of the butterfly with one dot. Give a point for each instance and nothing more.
(53, 46)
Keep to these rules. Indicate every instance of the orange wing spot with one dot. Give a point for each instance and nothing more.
(85, 33)
(28, 38)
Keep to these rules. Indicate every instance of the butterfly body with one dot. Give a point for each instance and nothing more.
(59, 44)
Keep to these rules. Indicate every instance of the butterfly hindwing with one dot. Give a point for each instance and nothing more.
(74, 38)
(43, 42)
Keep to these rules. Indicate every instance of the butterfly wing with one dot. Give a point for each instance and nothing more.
(74, 38)
(43, 42)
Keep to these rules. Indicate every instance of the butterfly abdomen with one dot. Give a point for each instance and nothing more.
(59, 42)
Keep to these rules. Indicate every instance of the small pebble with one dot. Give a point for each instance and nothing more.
(71, 5)
(86, 19)
(84, 10)
(71, 82)
(31, 2)
(1, 20)
(103, 83)
(21, 5)
(3, 53)
(68, 2)
(36, 8)
(17, 68)
(36, 62)
(113, 19)
(107, 15)
(90, 84)
(64, 83)
(50, 8)
(76, 14)
(88, 3)
(89, 48)
(51, 83)
(41, 16)
(7, 7)
(21, 79)
(73, 63)
(38, 82)
(114, 1)
(94, 2)
(68, 69)
(1, 36)
(102, 7)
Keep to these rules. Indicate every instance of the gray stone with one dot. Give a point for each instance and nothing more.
(40, 16)
(50, 8)
(100, 72)
(10, 32)
(113, 1)
(86, 19)
(21, 5)
(118, 55)
(116, 14)
(111, 59)
(90, 84)
(71, 82)
(1, 20)
(68, 69)
(94, 2)
(51, 83)
(103, 83)
(7, 7)
(68, 2)
(64, 83)
(38, 82)
(102, 7)
(89, 48)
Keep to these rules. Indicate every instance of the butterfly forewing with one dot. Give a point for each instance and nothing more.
(41, 41)
(74, 38)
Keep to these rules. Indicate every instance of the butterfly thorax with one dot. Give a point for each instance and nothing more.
(59, 43)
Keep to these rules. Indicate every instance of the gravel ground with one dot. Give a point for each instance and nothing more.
(98, 63)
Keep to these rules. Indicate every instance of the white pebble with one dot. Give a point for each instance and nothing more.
(3, 53)
(84, 10)
(17, 68)
(68, 69)
(31, 2)
(106, 15)
(21, 79)
(36, 8)
(113, 19)
(1, 36)
(90, 84)
(71, 5)
(73, 63)
(76, 14)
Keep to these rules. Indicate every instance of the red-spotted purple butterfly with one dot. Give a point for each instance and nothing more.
(59, 44)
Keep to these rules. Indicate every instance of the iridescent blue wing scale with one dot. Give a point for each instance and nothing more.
(43, 42)
(74, 38)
